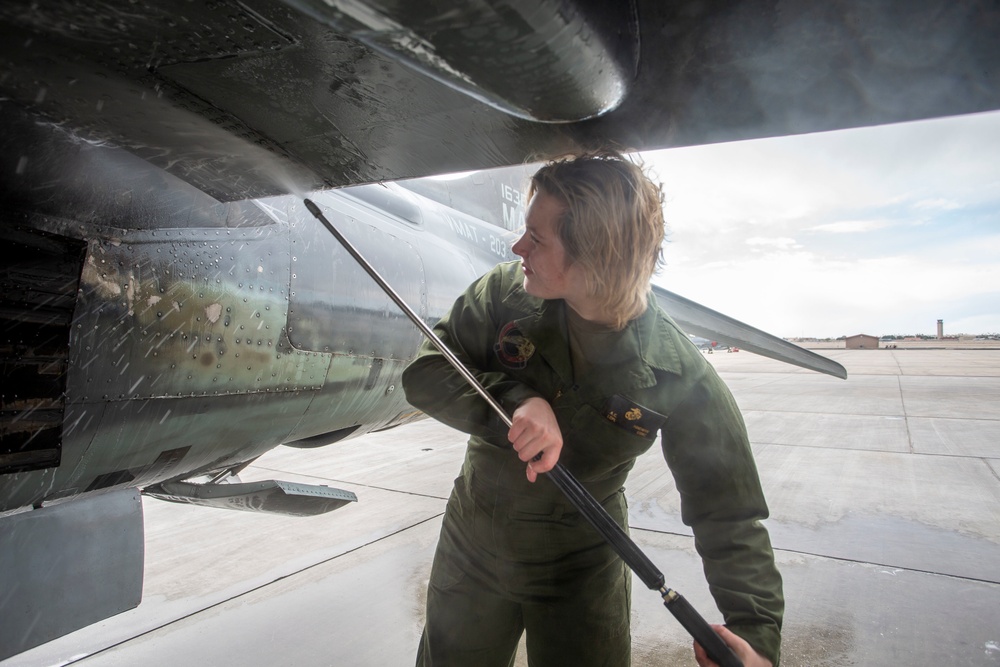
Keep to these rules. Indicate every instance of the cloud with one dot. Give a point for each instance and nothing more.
(936, 205)
(805, 295)
(782, 243)
(880, 230)
(850, 226)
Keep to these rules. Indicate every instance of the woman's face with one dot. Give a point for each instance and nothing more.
(543, 258)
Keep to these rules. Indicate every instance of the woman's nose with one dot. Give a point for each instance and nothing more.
(519, 247)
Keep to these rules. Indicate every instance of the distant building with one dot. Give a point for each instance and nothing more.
(940, 329)
(861, 342)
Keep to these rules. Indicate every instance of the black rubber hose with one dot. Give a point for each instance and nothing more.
(609, 529)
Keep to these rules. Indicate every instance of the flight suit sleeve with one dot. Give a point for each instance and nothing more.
(469, 331)
(707, 448)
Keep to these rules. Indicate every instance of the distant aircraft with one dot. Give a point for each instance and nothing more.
(710, 346)
(170, 311)
(703, 343)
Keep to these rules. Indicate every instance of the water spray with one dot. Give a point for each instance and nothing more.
(575, 492)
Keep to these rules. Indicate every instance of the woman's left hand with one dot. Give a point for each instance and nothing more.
(740, 647)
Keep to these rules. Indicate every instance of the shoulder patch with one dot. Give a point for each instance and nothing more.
(513, 350)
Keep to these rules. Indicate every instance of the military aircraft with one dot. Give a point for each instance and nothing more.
(703, 343)
(170, 310)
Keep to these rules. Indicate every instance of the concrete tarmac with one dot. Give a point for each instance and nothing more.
(885, 515)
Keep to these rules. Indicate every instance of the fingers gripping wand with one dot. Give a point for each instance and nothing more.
(585, 503)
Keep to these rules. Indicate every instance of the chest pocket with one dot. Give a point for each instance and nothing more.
(596, 448)
(632, 417)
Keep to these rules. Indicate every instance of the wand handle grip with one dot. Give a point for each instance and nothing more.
(702, 632)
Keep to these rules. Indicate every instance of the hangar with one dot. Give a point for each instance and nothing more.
(861, 342)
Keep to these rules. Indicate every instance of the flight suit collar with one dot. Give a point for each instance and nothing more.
(656, 334)
(543, 322)
(647, 344)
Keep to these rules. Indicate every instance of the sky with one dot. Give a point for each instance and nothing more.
(881, 230)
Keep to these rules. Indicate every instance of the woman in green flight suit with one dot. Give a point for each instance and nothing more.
(572, 343)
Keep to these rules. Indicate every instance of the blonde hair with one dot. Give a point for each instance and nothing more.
(612, 226)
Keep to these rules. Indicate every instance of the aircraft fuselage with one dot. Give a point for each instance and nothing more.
(202, 344)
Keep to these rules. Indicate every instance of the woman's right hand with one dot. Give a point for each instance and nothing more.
(535, 434)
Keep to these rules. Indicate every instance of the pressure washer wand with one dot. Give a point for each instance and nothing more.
(577, 494)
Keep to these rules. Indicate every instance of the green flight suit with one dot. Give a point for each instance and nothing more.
(516, 555)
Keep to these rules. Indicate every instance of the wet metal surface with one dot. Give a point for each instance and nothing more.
(885, 499)
(303, 93)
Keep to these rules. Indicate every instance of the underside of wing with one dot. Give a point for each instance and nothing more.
(253, 98)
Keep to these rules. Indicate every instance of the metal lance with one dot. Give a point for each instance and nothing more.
(585, 503)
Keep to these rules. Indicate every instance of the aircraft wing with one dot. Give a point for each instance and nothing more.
(256, 97)
(696, 319)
